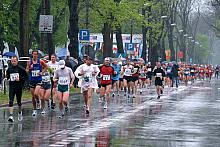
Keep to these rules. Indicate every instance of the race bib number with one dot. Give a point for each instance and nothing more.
(106, 77)
(87, 77)
(149, 69)
(63, 81)
(128, 71)
(169, 71)
(186, 72)
(14, 76)
(46, 78)
(158, 74)
(35, 73)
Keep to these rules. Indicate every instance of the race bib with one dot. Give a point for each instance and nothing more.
(149, 69)
(35, 73)
(14, 76)
(128, 71)
(201, 70)
(187, 72)
(158, 74)
(106, 77)
(87, 77)
(46, 78)
(192, 70)
(169, 71)
(210, 71)
(63, 81)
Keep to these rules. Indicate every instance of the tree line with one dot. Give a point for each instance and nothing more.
(165, 24)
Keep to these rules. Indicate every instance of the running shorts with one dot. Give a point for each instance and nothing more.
(63, 88)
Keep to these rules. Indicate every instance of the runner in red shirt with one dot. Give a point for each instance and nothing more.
(202, 72)
(209, 72)
(106, 72)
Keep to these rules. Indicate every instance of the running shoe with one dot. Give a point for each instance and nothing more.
(61, 115)
(158, 97)
(105, 106)
(87, 110)
(11, 119)
(113, 94)
(20, 116)
(161, 92)
(43, 112)
(141, 92)
(133, 95)
(34, 113)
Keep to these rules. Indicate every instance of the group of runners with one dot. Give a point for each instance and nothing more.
(50, 82)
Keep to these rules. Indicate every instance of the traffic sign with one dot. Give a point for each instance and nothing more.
(46, 23)
(84, 35)
(130, 48)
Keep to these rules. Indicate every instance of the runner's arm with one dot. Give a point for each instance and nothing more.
(44, 65)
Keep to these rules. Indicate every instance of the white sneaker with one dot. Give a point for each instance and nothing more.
(61, 115)
(43, 112)
(11, 119)
(100, 99)
(20, 116)
(34, 113)
(105, 106)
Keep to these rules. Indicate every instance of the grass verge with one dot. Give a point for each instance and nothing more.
(26, 96)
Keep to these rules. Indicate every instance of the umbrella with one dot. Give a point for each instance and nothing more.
(9, 54)
(62, 52)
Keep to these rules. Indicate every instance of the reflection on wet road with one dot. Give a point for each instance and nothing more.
(187, 116)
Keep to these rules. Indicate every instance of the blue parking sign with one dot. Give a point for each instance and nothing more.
(84, 35)
(130, 48)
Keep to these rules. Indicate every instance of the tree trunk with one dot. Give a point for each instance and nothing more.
(107, 48)
(73, 28)
(119, 40)
(50, 46)
(171, 47)
(23, 13)
(163, 48)
(144, 33)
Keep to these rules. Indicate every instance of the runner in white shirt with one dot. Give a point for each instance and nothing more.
(54, 65)
(87, 74)
(127, 72)
(65, 78)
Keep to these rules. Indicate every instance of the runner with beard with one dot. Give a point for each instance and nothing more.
(16, 76)
(159, 78)
(87, 74)
(106, 72)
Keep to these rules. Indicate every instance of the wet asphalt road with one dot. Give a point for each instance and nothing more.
(186, 117)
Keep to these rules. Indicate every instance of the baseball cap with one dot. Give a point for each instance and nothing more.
(107, 59)
(62, 63)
